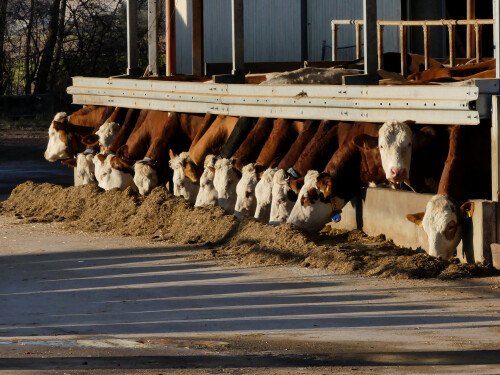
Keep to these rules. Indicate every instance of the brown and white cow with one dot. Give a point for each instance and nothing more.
(355, 164)
(466, 175)
(66, 132)
(182, 185)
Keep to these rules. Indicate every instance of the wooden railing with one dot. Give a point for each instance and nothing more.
(403, 25)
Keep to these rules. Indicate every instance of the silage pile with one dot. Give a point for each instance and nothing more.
(160, 216)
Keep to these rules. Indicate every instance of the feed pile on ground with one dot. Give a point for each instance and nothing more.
(163, 217)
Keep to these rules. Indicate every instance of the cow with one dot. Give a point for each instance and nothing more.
(225, 180)
(182, 186)
(458, 73)
(207, 195)
(263, 195)
(357, 163)
(145, 155)
(66, 132)
(314, 155)
(246, 201)
(466, 175)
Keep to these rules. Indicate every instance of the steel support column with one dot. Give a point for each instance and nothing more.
(170, 37)
(197, 47)
(153, 36)
(370, 36)
(238, 41)
(132, 50)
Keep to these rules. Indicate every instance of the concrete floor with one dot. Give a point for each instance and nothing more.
(74, 303)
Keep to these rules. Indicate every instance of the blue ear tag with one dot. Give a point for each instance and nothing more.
(401, 184)
(336, 217)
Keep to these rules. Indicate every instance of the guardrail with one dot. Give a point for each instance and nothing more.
(424, 104)
(403, 25)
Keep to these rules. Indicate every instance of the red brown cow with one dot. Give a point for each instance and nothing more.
(466, 175)
(66, 132)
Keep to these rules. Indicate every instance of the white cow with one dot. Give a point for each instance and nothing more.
(246, 201)
(109, 178)
(207, 195)
(57, 148)
(85, 167)
(225, 181)
(310, 212)
(145, 178)
(442, 222)
(281, 206)
(263, 195)
(183, 186)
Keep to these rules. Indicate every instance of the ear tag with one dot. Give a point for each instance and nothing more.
(420, 224)
(327, 189)
(336, 217)
(468, 214)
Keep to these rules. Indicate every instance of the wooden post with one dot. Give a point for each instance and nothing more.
(370, 36)
(132, 50)
(359, 45)
(427, 46)
(197, 47)
(380, 46)
(238, 37)
(471, 38)
(451, 39)
(153, 36)
(335, 41)
(403, 49)
(170, 37)
(478, 30)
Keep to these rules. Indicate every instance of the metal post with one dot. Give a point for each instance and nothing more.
(197, 46)
(451, 39)
(495, 158)
(359, 44)
(427, 46)
(496, 34)
(380, 40)
(335, 41)
(303, 31)
(238, 37)
(153, 36)
(370, 36)
(170, 36)
(132, 50)
(471, 15)
(403, 40)
(478, 29)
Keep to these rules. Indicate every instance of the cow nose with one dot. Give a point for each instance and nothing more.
(398, 173)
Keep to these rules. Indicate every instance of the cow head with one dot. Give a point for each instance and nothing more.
(263, 195)
(110, 173)
(183, 186)
(316, 202)
(225, 180)
(395, 144)
(85, 169)
(283, 198)
(442, 222)
(57, 147)
(207, 195)
(106, 134)
(145, 177)
(245, 191)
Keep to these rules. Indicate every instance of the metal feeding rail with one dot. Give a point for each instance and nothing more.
(424, 104)
(403, 25)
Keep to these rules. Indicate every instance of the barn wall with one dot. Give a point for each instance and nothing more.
(272, 29)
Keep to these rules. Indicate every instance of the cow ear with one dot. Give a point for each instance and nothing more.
(365, 142)
(212, 169)
(101, 158)
(324, 185)
(59, 124)
(90, 140)
(416, 218)
(171, 154)
(467, 210)
(70, 162)
(409, 122)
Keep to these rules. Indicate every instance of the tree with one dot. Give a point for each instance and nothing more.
(3, 29)
(48, 51)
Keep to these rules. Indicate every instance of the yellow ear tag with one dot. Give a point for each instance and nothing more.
(420, 224)
(468, 214)
(327, 189)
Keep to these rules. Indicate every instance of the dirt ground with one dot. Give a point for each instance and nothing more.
(97, 282)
